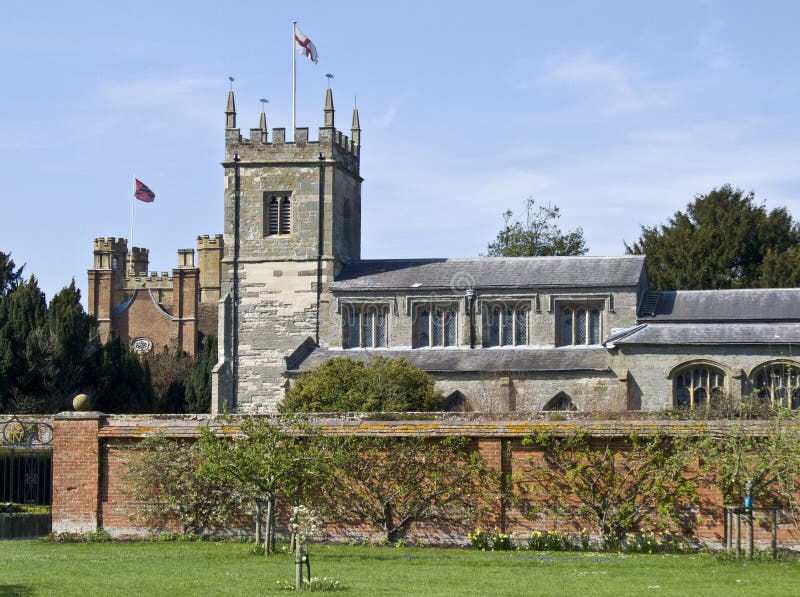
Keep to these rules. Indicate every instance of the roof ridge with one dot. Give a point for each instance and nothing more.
(499, 258)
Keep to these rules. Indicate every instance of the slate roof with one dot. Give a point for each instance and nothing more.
(709, 333)
(471, 360)
(490, 272)
(774, 304)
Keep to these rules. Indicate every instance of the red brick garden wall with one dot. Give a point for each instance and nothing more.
(90, 451)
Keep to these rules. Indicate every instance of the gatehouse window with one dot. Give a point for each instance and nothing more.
(695, 385)
(365, 326)
(580, 324)
(277, 215)
(435, 326)
(505, 325)
(778, 383)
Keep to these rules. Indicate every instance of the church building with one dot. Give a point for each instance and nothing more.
(499, 335)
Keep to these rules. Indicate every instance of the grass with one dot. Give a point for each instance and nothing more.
(202, 568)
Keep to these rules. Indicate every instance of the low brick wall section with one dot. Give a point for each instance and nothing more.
(90, 452)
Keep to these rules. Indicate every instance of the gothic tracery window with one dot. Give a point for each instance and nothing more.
(779, 384)
(365, 326)
(505, 325)
(580, 324)
(695, 385)
(435, 326)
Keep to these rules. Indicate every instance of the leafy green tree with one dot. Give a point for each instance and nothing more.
(198, 383)
(615, 488)
(265, 461)
(724, 239)
(392, 483)
(170, 487)
(538, 235)
(378, 385)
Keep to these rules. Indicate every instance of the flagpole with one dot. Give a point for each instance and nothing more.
(294, 79)
(133, 205)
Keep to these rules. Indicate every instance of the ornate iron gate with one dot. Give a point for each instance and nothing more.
(26, 464)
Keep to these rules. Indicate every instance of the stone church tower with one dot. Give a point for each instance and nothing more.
(292, 220)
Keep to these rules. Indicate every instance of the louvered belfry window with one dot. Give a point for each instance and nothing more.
(286, 216)
(278, 215)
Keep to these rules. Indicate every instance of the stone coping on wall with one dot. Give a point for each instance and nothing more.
(189, 426)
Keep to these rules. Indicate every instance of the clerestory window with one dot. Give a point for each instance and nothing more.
(435, 326)
(580, 324)
(365, 326)
(505, 325)
(779, 384)
(695, 385)
(277, 215)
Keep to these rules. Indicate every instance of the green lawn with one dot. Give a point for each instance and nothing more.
(99, 569)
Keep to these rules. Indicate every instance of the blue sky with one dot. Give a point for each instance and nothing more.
(617, 112)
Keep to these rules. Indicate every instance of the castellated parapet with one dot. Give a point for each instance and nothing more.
(292, 220)
(171, 309)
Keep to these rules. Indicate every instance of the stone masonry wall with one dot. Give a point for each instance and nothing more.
(650, 368)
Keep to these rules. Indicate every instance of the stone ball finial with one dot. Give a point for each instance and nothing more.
(81, 402)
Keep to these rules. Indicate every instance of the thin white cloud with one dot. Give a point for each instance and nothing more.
(165, 92)
(384, 119)
(610, 85)
(714, 51)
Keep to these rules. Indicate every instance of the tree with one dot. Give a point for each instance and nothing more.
(613, 488)
(394, 482)
(168, 483)
(537, 236)
(342, 384)
(265, 461)
(10, 275)
(123, 384)
(22, 311)
(723, 240)
(69, 365)
(198, 383)
(169, 369)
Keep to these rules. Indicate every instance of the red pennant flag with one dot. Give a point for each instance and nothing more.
(143, 192)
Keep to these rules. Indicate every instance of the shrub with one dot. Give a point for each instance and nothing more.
(380, 384)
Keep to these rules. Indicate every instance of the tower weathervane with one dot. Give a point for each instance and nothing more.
(329, 76)
(231, 79)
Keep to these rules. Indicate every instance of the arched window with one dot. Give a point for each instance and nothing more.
(696, 384)
(778, 383)
(560, 402)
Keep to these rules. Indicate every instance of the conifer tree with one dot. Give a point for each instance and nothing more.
(22, 311)
(198, 383)
(724, 239)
